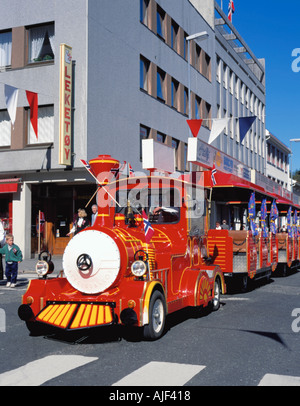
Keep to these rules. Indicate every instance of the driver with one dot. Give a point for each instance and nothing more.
(165, 214)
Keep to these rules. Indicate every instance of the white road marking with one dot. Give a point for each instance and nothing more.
(279, 380)
(161, 374)
(234, 298)
(37, 372)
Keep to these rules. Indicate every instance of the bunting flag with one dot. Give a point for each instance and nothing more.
(289, 222)
(33, 103)
(252, 214)
(195, 126)
(273, 217)
(231, 10)
(124, 169)
(218, 126)
(245, 123)
(295, 221)
(147, 228)
(213, 176)
(263, 212)
(11, 99)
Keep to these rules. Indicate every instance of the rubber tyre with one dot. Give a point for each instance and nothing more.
(217, 295)
(157, 317)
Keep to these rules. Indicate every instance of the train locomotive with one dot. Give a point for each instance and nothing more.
(113, 274)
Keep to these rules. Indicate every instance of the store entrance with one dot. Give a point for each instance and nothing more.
(54, 208)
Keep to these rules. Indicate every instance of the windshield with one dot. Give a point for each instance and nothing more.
(162, 205)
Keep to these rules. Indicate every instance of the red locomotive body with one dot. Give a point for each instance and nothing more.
(113, 276)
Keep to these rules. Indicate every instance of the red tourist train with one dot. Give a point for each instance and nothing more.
(152, 251)
(115, 274)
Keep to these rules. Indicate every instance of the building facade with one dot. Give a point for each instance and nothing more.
(278, 163)
(130, 81)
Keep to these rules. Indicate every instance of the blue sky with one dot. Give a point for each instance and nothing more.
(272, 31)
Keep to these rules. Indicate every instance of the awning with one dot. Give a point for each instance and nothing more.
(9, 185)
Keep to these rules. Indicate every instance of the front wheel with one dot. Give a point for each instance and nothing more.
(157, 317)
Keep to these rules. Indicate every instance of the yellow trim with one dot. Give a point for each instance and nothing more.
(101, 161)
(149, 290)
(58, 309)
(77, 319)
(84, 321)
(100, 319)
(66, 320)
(93, 318)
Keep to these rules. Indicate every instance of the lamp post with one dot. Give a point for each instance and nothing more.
(199, 37)
(292, 140)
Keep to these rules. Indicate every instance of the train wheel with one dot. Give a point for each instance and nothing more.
(157, 317)
(244, 284)
(217, 295)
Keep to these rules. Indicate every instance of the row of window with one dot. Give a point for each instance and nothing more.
(161, 24)
(45, 127)
(159, 84)
(277, 158)
(241, 92)
(38, 42)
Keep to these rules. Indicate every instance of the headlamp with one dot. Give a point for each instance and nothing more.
(138, 268)
(42, 268)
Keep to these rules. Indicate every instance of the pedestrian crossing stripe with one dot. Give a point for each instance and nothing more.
(279, 380)
(161, 374)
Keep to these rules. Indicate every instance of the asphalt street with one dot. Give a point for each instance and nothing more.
(252, 340)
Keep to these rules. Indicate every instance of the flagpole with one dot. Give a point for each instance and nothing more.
(92, 197)
(39, 231)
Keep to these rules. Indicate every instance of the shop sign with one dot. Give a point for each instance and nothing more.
(65, 117)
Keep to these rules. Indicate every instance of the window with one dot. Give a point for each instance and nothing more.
(144, 4)
(185, 47)
(160, 84)
(161, 137)
(5, 48)
(174, 93)
(144, 134)
(186, 101)
(160, 18)
(197, 108)
(45, 126)
(207, 114)
(174, 35)
(144, 69)
(41, 43)
(5, 129)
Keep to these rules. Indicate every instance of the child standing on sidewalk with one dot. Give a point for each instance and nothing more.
(13, 256)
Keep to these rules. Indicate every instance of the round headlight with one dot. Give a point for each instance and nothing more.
(138, 268)
(42, 268)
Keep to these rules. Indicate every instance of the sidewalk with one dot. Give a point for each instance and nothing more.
(28, 265)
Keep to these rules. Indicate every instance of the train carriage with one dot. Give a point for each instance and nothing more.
(287, 240)
(249, 250)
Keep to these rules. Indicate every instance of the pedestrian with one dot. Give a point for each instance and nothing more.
(81, 223)
(13, 256)
(2, 242)
(225, 226)
(218, 226)
(94, 214)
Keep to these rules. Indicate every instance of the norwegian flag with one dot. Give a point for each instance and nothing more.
(124, 169)
(231, 10)
(147, 228)
(88, 167)
(213, 176)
